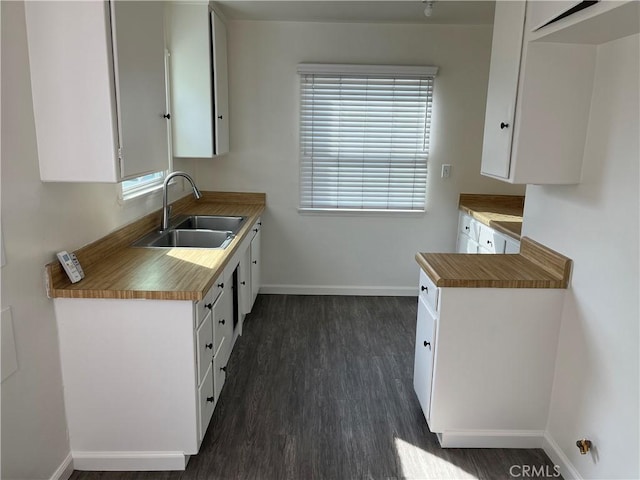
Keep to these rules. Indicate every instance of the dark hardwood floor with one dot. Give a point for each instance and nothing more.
(322, 388)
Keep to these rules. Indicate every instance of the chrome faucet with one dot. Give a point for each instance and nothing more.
(166, 209)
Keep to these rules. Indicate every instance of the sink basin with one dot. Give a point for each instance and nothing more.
(186, 239)
(211, 222)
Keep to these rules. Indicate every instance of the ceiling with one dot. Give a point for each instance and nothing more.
(362, 11)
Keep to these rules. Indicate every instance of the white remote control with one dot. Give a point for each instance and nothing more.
(76, 262)
(69, 267)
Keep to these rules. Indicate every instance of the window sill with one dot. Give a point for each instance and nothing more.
(135, 197)
(355, 212)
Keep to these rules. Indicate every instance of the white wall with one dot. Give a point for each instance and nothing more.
(596, 223)
(349, 250)
(38, 219)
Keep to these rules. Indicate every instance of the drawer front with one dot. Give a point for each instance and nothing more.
(466, 244)
(206, 401)
(220, 367)
(469, 226)
(428, 291)
(205, 346)
(204, 306)
(490, 240)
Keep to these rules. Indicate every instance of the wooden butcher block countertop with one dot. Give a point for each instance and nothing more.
(500, 212)
(114, 269)
(536, 266)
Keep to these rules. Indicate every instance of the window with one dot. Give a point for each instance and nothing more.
(143, 184)
(364, 136)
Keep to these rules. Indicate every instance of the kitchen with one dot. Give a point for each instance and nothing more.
(596, 377)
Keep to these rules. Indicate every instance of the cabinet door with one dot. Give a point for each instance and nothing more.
(72, 88)
(190, 78)
(511, 246)
(138, 50)
(220, 85)
(255, 265)
(207, 399)
(424, 353)
(506, 49)
(245, 293)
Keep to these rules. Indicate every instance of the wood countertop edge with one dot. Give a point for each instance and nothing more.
(95, 255)
(549, 268)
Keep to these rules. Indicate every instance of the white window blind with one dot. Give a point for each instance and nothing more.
(364, 137)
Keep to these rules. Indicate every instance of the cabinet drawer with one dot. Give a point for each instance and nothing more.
(490, 240)
(466, 244)
(206, 401)
(468, 226)
(220, 366)
(428, 291)
(205, 305)
(205, 346)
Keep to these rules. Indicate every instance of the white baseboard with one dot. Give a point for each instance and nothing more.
(491, 439)
(557, 456)
(129, 461)
(64, 471)
(362, 291)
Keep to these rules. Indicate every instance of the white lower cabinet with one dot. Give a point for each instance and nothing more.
(484, 364)
(475, 237)
(142, 377)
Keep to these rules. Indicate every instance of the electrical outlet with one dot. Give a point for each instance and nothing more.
(446, 171)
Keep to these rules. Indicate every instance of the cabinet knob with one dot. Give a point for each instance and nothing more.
(489, 242)
(467, 228)
(221, 285)
(255, 262)
(255, 230)
(243, 283)
(224, 369)
(503, 125)
(209, 346)
(423, 288)
(221, 321)
(427, 344)
(259, 223)
(210, 399)
(219, 117)
(167, 116)
(209, 306)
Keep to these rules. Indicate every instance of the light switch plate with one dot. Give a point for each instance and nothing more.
(446, 170)
(9, 357)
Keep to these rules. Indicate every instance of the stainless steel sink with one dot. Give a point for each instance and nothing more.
(182, 238)
(211, 222)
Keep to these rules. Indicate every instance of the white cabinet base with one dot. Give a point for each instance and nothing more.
(130, 382)
(491, 439)
(126, 461)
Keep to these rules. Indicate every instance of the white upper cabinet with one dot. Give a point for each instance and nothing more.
(506, 47)
(197, 42)
(541, 83)
(98, 83)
